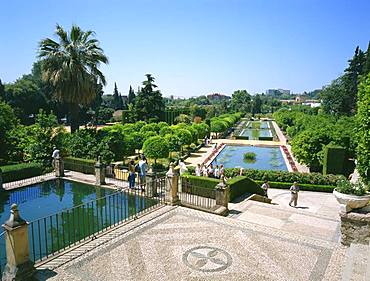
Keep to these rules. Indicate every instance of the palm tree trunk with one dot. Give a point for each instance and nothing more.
(74, 110)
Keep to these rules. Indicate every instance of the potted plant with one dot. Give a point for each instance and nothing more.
(351, 195)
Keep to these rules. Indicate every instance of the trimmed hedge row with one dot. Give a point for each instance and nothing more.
(266, 138)
(335, 157)
(306, 187)
(285, 176)
(241, 137)
(81, 165)
(241, 185)
(21, 171)
(238, 186)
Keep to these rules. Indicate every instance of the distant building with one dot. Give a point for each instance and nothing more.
(277, 92)
(218, 96)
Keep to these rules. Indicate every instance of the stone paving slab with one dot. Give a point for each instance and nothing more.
(184, 244)
(316, 215)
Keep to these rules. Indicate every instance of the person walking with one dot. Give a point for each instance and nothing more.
(143, 166)
(294, 189)
(222, 170)
(265, 186)
(205, 171)
(198, 170)
(55, 155)
(131, 174)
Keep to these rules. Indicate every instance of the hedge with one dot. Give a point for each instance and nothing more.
(334, 160)
(81, 165)
(241, 137)
(302, 186)
(241, 185)
(202, 186)
(266, 138)
(285, 176)
(21, 171)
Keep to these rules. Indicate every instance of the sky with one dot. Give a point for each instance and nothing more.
(197, 47)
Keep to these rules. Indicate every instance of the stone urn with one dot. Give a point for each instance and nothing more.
(349, 202)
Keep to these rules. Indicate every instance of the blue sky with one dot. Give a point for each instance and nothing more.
(195, 47)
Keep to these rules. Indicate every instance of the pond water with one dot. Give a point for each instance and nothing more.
(253, 133)
(267, 158)
(63, 226)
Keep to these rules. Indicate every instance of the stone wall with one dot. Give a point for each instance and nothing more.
(355, 227)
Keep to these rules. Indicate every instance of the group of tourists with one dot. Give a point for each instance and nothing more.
(217, 172)
(140, 168)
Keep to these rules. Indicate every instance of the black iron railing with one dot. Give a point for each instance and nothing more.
(197, 196)
(2, 256)
(28, 181)
(55, 233)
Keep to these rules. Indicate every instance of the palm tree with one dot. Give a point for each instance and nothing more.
(71, 65)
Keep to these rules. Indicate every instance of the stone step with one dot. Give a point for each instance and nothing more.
(357, 263)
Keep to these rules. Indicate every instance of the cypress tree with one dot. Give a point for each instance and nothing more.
(131, 96)
(116, 97)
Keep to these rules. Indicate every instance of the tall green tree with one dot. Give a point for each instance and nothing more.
(149, 102)
(335, 98)
(351, 78)
(241, 101)
(257, 104)
(131, 96)
(25, 97)
(8, 121)
(363, 129)
(2, 90)
(71, 65)
(116, 98)
(366, 68)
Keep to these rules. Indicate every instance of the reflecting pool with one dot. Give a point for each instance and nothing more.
(267, 158)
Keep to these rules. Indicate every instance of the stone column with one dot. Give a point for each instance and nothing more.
(1, 179)
(99, 172)
(151, 184)
(18, 266)
(172, 184)
(222, 194)
(59, 167)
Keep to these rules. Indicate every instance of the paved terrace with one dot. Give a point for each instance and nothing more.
(256, 242)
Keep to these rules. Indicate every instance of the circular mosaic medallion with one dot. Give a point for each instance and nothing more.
(207, 259)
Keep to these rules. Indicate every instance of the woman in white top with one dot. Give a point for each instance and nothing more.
(198, 170)
(216, 172)
(205, 171)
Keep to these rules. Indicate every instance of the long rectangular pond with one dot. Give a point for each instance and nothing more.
(267, 158)
(64, 212)
(254, 132)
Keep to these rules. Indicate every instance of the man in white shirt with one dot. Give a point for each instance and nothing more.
(55, 155)
(265, 186)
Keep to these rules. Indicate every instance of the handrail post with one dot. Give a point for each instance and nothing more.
(59, 167)
(1, 179)
(222, 194)
(18, 265)
(151, 184)
(172, 183)
(99, 172)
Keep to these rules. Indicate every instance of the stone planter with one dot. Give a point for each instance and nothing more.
(349, 201)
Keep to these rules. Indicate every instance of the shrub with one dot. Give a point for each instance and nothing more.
(334, 159)
(202, 186)
(20, 171)
(81, 165)
(156, 147)
(249, 157)
(241, 185)
(346, 187)
(285, 176)
(302, 186)
(266, 138)
(241, 137)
